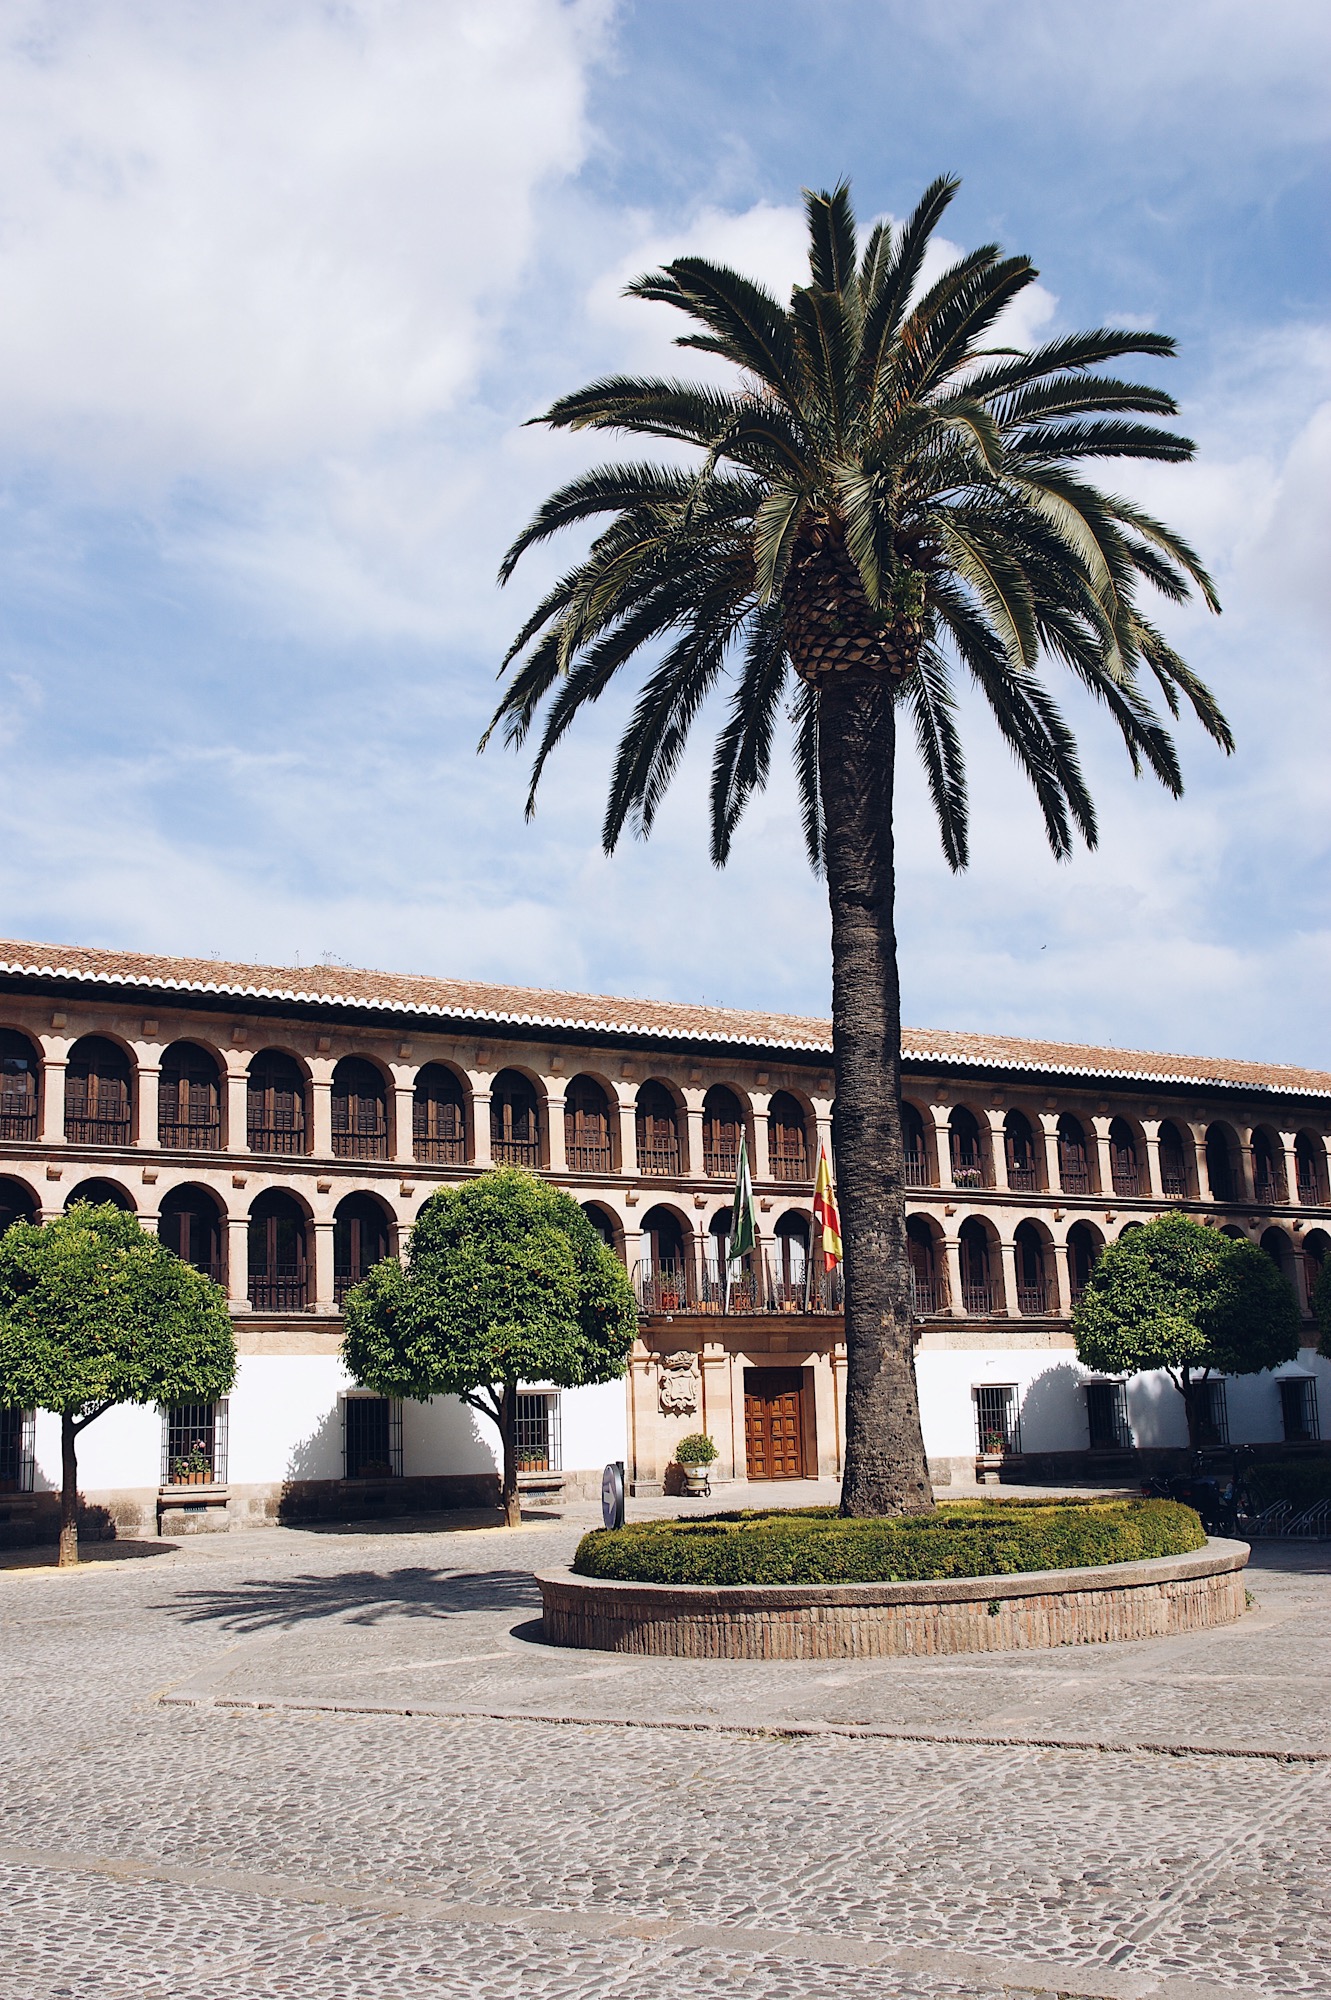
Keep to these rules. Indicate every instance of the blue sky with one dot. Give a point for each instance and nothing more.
(279, 283)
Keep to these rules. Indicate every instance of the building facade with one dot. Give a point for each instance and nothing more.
(282, 1128)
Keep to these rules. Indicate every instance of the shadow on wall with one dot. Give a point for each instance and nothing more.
(1053, 1411)
(1156, 1413)
(357, 1598)
(319, 1456)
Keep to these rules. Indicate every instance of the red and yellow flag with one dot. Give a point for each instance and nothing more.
(827, 1220)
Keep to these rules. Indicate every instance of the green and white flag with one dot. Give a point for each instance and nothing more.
(743, 1220)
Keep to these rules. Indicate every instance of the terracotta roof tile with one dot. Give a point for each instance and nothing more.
(469, 1001)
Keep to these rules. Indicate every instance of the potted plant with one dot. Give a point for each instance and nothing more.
(988, 1465)
(696, 1454)
(194, 1469)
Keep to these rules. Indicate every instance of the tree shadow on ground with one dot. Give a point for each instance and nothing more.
(1291, 1555)
(356, 1597)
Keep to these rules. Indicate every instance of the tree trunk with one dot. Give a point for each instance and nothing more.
(508, 1432)
(69, 1492)
(1189, 1392)
(885, 1469)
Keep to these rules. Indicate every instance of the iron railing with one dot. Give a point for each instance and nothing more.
(274, 1136)
(720, 1163)
(442, 1152)
(371, 1437)
(21, 1125)
(17, 1450)
(762, 1285)
(787, 1167)
(1267, 1192)
(1107, 1416)
(194, 1444)
(360, 1145)
(1309, 1192)
(1033, 1299)
(282, 1292)
(516, 1152)
(1173, 1180)
(979, 1300)
(1127, 1181)
(538, 1432)
(1074, 1179)
(1023, 1180)
(589, 1159)
(928, 1296)
(997, 1421)
(658, 1158)
(98, 1131)
(181, 1134)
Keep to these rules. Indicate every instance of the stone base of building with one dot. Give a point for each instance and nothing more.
(986, 1614)
(18, 1520)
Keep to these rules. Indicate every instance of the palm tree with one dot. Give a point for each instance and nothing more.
(880, 504)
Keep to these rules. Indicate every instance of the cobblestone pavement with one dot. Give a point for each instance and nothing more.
(343, 1764)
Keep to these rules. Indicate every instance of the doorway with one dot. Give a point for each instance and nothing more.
(774, 1423)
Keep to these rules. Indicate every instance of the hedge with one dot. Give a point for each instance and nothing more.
(815, 1545)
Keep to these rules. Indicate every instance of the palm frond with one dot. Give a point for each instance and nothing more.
(934, 709)
(744, 748)
(832, 246)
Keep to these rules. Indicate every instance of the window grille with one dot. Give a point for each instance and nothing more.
(438, 1117)
(194, 1444)
(1211, 1414)
(17, 1453)
(372, 1437)
(97, 1095)
(18, 1086)
(997, 1424)
(538, 1438)
(1298, 1409)
(1107, 1416)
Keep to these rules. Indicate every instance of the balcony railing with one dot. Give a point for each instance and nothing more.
(1023, 1180)
(1033, 1299)
(789, 1167)
(1309, 1192)
(270, 1138)
(1075, 1179)
(589, 1159)
(360, 1145)
(967, 1176)
(442, 1152)
(1267, 1192)
(1173, 1180)
(284, 1292)
(928, 1297)
(761, 1287)
(20, 1125)
(658, 1158)
(916, 1170)
(198, 1135)
(720, 1163)
(1127, 1182)
(98, 1131)
(516, 1152)
(978, 1300)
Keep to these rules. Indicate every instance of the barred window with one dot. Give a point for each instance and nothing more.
(997, 1424)
(17, 1456)
(1298, 1408)
(538, 1437)
(1107, 1416)
(194, 1444)
(1211, 1411)
(372, 1437)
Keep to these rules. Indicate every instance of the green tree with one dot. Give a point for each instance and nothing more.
(1189, 1300)
(1322, 1304)
(505, 1282)
(94, 1311)
(887, 501)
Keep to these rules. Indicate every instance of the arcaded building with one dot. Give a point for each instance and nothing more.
(281, 1128)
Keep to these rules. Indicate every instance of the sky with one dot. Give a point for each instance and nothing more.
(282, 282)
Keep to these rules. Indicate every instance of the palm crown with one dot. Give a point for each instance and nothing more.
(881, 490)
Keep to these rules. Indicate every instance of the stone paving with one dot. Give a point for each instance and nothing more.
(343, 1764)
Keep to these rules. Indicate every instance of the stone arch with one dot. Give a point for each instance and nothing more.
(516, 1137)
(1023, 1149)
(1074, 1155)
(279, 1262)
(1127, 1157)
(1084, 1244)
(659, 1121)
(189, 1097)
(277, 1103)
(790, 1259)
(99, 1092)
(916, 1146)
(789, 1152)
(20, 1085)
(724, 1125)
(363, 1232)
(1310, 1166)
(981, 1267)
(1268, 1167)
(439, 1101)
(1280, 1250)
(192, 1224)
(1222, 1163)
(1316, 1250)
(969, 1148)
(591, 1125)
(607, 1226)
(928, 1264)
(1176, 1176)
(18, 1203)
(666, 1277)
(358, 1105)
(1032, 1246)
(97, 1190)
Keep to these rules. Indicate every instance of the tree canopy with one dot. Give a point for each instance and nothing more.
(505, 1282)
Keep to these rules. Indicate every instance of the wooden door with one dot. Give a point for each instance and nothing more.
(774, 1423)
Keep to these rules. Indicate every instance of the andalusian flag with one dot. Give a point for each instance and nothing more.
(743, 1220)
(827, 1220)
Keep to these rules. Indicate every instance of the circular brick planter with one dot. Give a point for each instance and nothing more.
(839, 1621)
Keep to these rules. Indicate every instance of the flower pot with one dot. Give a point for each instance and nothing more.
(698, 1478)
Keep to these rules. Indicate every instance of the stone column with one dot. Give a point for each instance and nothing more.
(1201, 1178)
(552, 1111)
(940, 1114)
(694, 1165)
(53, 1100)
(952, 1260)
(998, 1147)
(1246, 1178)
(480, 1129)
(1053, 1179)
(822, 1139)
(404, 1109)
(1060, 1272)
(238, 1262)
(237, 1110)
(627, 1107)
(321, 1114)
(761, 1101)
(1103, 1161)
(1007, 1275)
(324, 1301)
(1290, 1151)
(1154, 1184)
(147, 1079)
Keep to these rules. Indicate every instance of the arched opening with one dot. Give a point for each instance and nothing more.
(1124, 1166)
(722, 1130)
(915, 1147)
(360, 1241)
(17, 1204)
(787, 1139)
(1310, 1161)
(1230, 1229)
(978, 1290)
(732, 1284)
(658, 1130)
(275, 1104)
(1279, 1249)
(515, 1121)
(1032, 1270)
(360, 1111)
(1023, 1161)
(790, 1277)
(1220, 1164)
(1074, 1171)
(1173, 1161)
(97, 1093)
(279, 1270)
(588, 1145)
(1316, 1248)
(97, 1193)
(191, 1225)
(20, 1067)
(967, 1149)
(1084, 1246)
(1268, 1170)
(438, 1117)
(664, 1274)
(189, 1099)
(603, 1223)
(924, 1267)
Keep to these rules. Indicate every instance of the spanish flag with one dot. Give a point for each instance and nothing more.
(827, 1221)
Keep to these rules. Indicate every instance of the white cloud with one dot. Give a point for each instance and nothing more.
(234, 237)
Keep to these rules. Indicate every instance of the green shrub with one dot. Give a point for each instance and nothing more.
(695, 1449)
(815, 1545)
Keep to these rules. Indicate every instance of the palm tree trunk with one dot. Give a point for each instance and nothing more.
(69, 1492)
(885, 1470)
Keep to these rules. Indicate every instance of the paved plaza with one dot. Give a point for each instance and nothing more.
(342, 1763)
